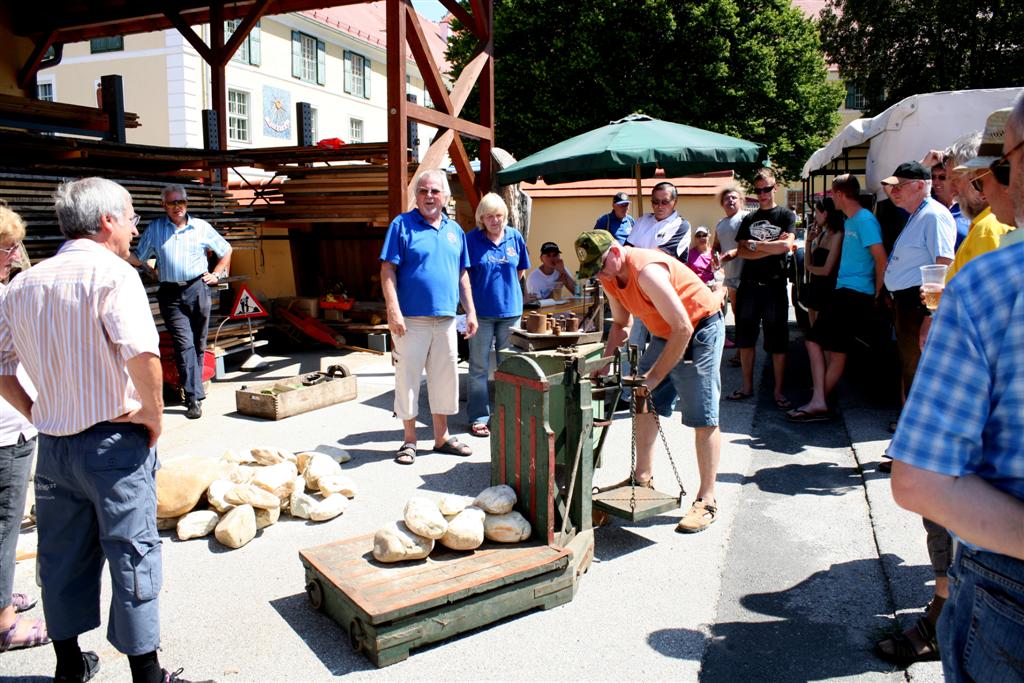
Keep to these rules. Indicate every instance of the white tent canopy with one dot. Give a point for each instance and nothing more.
(908, 129)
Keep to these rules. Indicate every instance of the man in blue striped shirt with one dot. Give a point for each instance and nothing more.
(181, 244)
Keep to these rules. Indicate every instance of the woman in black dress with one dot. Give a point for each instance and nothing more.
(825, 249)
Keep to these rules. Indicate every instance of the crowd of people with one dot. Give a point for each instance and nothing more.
(956, 450)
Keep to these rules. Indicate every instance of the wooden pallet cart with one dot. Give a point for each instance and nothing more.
(542, 446)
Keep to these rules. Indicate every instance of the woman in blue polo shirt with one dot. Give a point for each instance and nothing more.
(497, 262)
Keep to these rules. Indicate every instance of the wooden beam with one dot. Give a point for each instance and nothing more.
(28, 72)
(438, 119)
(432, 159)
(194, 40)
(464, 17)
(460, 158)
(486, 90)
(397, 106)
(467, 79)
(242, 32)
(425, 61)
(218, 77)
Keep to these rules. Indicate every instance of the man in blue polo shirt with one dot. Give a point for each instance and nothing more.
(423, 276)
(850, 311)
(617, 221)
(180, 242)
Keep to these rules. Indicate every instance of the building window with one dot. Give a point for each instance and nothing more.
(357, 75)
(111, 44)
(44, 91)
(238, 116)
(314, 124)
(309, 58)
(795, 201)
(855, 99)
(249, 51)
(355, 130)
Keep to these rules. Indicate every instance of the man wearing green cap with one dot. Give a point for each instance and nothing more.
(684, 317)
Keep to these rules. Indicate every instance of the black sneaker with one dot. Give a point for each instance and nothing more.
(175, 677)
(90, 665)
(195, 411)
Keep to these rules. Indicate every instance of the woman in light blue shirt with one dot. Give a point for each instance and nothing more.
(497, 262)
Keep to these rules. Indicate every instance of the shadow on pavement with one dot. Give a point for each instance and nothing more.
(820, 630)
(326, 639)
(820, 478)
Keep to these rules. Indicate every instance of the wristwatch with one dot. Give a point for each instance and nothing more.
(752, 246)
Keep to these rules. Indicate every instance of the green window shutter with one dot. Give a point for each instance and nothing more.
(347, 85)
(321, 62)
(296, 55)
(254, 45)
(367, 71)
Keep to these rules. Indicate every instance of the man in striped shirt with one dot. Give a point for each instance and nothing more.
(180, 243)
(81, 326)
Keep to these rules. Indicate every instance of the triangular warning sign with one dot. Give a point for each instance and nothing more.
(247, 306)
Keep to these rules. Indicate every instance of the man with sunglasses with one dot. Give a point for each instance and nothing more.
(986, 229)
(926, 239)
(764, 240)
(181, 243)
(958, 449)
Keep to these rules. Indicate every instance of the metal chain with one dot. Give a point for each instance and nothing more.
(632, 452)
(664, 441)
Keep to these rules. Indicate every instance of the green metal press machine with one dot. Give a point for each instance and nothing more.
(548, 427)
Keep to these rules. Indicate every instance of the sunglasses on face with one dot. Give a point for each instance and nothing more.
(661, 202)
(1000, 168)
(176, 203)
(764, 190)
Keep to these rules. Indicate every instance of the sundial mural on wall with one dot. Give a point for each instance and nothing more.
(277, 112)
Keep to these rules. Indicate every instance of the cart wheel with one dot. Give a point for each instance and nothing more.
(316, 594)
(338, 370)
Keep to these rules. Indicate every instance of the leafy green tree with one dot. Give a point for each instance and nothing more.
(890, 49)
(754, 70)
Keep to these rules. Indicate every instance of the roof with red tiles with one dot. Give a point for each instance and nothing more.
(368, 21)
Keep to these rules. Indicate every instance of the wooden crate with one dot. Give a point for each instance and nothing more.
(250, 400)
(388, 609)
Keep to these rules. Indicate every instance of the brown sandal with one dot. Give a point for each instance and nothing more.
(900, 649)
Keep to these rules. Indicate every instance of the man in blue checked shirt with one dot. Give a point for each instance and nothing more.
(959, 461)
(181, 244)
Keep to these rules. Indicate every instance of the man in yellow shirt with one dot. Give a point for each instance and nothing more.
(986, 230)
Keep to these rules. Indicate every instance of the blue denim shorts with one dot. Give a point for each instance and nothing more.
(981, 630)
(698, 383)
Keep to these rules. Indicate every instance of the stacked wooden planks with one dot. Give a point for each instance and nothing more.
(345, 185)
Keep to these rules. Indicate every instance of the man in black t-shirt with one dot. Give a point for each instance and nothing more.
(764, 239)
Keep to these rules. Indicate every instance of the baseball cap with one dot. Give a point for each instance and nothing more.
(620, 198)
(991, 141)
(909, 170)
(590, 250)
(550, 248)
(701, 231)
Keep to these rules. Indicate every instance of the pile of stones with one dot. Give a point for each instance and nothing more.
(456, 522)
(235, 496)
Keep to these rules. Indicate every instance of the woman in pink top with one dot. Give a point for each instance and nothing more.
(700, 258)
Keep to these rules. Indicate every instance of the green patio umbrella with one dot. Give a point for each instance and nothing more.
(634, 147)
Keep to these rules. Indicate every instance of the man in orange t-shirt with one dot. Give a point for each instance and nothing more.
(684, 317)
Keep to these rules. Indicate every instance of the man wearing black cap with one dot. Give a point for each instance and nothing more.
(926, 239)
(542, 283)
(617, 221)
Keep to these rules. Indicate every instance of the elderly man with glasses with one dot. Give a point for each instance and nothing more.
(926, 239)
(764, 239)
(181, 244)
(99, 411)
